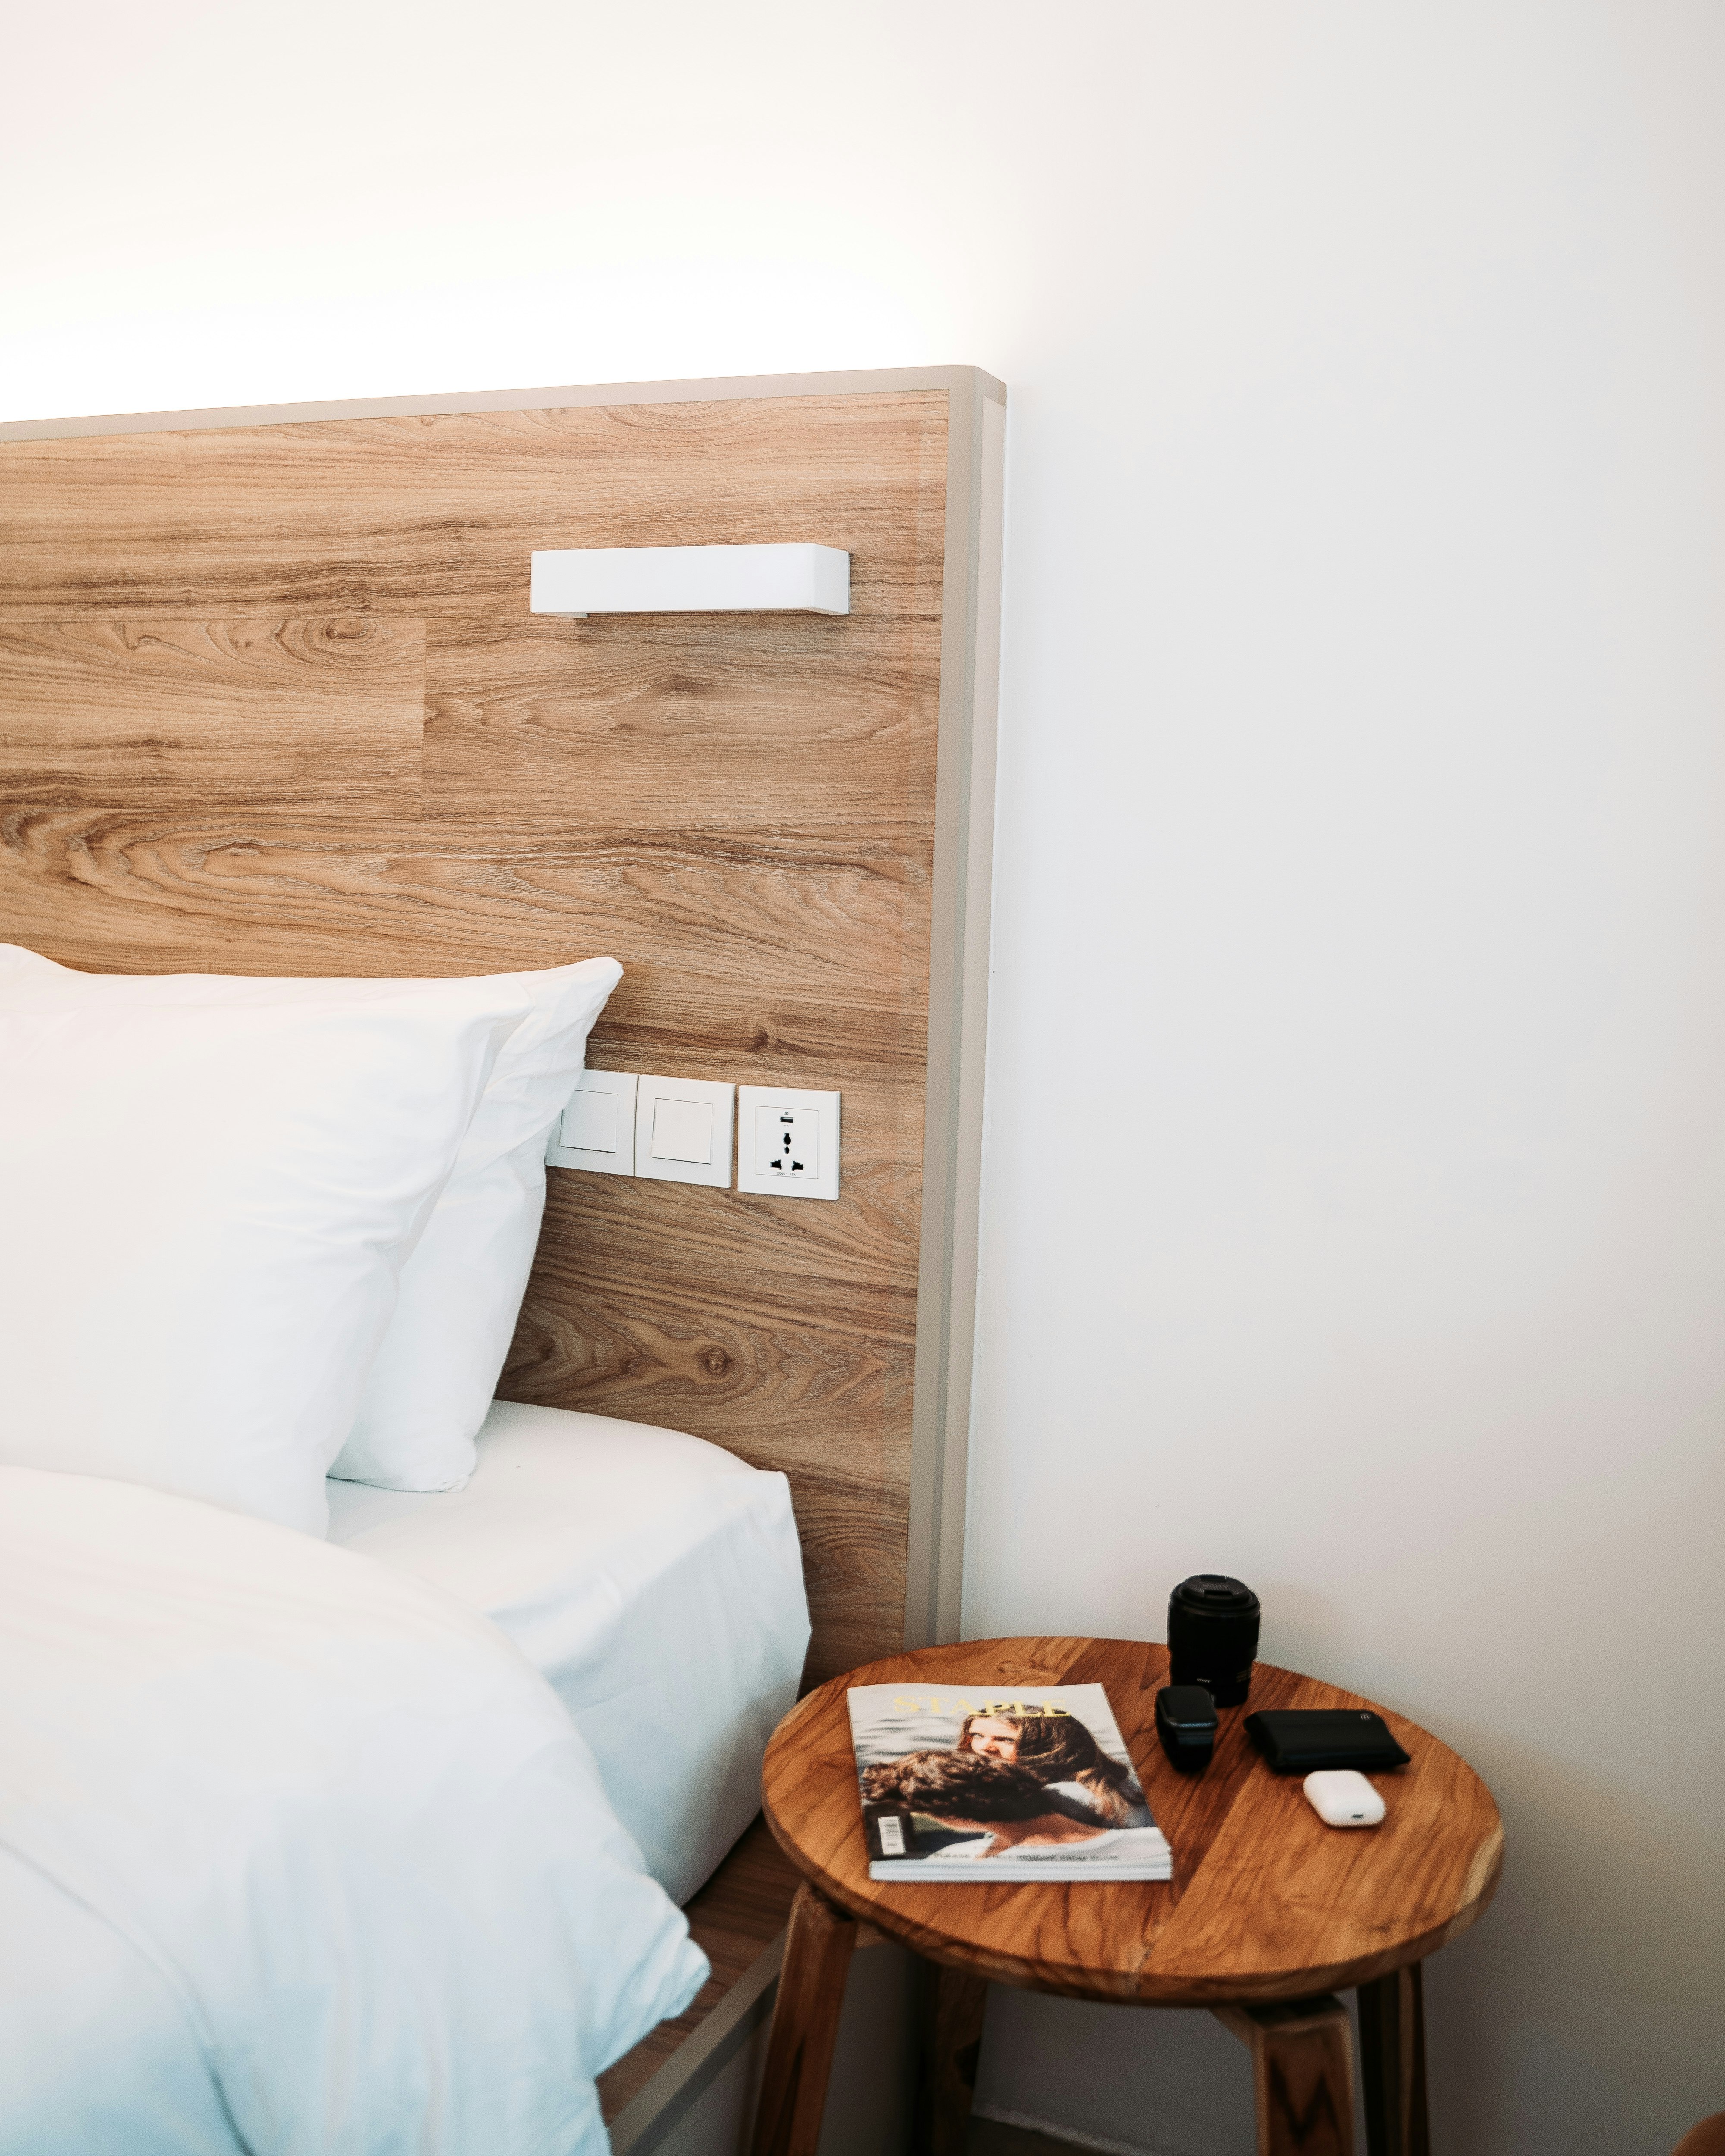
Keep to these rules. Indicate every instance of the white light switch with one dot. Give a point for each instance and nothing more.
(591, 1123)
(597, 1130)
(790, 1141)
(683, 1131)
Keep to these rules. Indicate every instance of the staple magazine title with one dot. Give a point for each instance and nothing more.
(959, 1784)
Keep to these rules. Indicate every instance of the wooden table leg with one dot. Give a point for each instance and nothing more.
(1302, 2074)
(805, 2026)
(1392, 2042)
(950, 2036)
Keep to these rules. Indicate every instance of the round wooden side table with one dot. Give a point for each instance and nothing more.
(1269, 1913)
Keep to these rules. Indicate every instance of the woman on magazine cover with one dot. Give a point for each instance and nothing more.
(1062, 1755)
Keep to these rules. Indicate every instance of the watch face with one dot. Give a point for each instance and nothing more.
(1186, 1707)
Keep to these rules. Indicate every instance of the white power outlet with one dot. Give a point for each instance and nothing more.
(788, 1145)
(787, 1142)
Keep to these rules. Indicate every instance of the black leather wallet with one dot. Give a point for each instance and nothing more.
(1300, 1740)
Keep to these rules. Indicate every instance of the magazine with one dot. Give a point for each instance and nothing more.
(963, 1783)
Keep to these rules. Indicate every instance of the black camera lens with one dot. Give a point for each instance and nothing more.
(1213, 1635)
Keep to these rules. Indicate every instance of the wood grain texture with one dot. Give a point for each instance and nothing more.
(952, 2007)
(819, 1944)
(786, 948)
(1266, 1902)
(1392, 2038)
(1302, 2074)
(733, 1919)
(414, 515)
(718, 722)
(271, 701)
(194, 714)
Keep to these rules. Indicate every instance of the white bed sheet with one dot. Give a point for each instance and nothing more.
(297, 1855)
(655, 1580)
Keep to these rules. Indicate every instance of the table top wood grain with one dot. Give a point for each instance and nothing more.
(1266, 1902)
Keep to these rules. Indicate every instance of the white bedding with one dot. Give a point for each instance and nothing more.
(657, 1581)
(297, 1855)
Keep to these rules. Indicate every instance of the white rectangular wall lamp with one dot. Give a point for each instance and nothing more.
(787, 1142)
(597, 1131)
(577, 581)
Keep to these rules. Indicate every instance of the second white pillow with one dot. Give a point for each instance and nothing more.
(431, 1386)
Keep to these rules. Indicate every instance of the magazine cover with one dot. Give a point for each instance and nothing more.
(963, 1784)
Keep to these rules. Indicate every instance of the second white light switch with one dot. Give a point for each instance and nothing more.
(683, 1131)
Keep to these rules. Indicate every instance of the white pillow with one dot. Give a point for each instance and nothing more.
(209, 1186)
(461, 1290)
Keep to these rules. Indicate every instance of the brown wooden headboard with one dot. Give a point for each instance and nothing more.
(271, 701)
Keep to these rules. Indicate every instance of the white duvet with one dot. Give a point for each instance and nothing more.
(324, 1834)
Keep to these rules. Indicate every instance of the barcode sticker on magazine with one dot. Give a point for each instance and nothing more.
(890, 1833)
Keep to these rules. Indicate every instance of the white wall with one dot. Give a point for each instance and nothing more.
(1362, 868)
